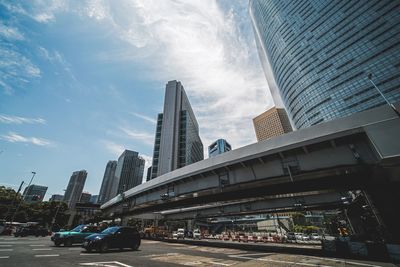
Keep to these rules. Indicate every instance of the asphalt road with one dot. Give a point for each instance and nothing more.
(32, 251)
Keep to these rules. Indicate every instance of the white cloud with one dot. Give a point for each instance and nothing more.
(9, 119)
(205, 48)
(147, 163)
(113, 148)
(56, 57)
(144, 117)
(209, 49)
(17, 138)
(15, 69)
(146, 138)
(10, 32)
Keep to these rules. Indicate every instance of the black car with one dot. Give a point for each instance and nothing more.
(25, 231)
(113, 237)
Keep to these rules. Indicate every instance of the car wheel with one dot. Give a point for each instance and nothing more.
(136, 245)
(68, 243)
(104, 247)
(57, 243)
(88, 250)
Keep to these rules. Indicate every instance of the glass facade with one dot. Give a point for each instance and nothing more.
(322, 51)
(218, 147)
(106, 185)
(177, 141)
(129, 171)
(156, 150)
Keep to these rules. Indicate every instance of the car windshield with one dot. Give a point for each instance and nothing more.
(78, 228)
(110, 230)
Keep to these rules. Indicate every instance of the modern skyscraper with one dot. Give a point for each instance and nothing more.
(34, 193)
(106, 185)
(94, 199)
(148, 175)
(75, 188)
(218, 147)
(321, 53)
(85, 197)
(177, 141)
(56, 197)
(129, 172)
(273, 122)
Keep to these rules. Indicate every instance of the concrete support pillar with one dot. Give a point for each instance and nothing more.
(384, 199)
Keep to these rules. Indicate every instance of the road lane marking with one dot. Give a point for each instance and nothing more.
(3, 246)
(75, 249)
(4, 257)
(279, 261)
(42, 249)
(89, 254)
(106, 263)
(221, 263)
(6, 249)
(346, 261)
(47, 255)
(36, 245)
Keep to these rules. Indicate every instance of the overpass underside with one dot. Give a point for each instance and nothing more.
(360, 152)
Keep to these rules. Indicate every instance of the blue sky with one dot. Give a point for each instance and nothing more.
(80, 81)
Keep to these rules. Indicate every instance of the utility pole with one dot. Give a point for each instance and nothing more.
(383, 96)
(15, 197)
(22, 199)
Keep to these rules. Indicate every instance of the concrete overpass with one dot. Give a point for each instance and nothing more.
(361, 151)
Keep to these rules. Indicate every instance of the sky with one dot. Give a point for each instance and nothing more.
(80, 81)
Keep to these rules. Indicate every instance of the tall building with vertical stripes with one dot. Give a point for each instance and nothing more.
(321, 52)
(75, 188)
(106, 185)
(177, 141)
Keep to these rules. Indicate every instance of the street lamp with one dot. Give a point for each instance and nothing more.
(383, 96)
(33, 175)
(23, 198)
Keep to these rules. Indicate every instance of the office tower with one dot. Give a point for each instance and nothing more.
(321, 52)
(129, 172)
(106, 185)
(56, 197)
(94, 199)
(148, 175)
(75, 188)
(85, 197)
(218, 147)
(177, 142)
(273, 122)
(34, 193)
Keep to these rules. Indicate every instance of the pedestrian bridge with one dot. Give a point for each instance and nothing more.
(356, 152)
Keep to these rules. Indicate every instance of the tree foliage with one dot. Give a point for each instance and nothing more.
(42, 212)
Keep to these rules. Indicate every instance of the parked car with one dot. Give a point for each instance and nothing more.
(305, 237)
(113, 237)
(291, 236)
(196, 234)
(315, 237)
(180, 233)
(30, 230)
(299, 236)
(75, 236)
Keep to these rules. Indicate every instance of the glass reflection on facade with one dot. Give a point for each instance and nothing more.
(177, 141)
(322, 51)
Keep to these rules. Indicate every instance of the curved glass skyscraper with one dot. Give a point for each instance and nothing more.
(322, 51)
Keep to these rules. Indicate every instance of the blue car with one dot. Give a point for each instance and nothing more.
(113, 237)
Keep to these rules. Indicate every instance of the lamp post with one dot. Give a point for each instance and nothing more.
(33, 175)
(383, 96)
(23, 198)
